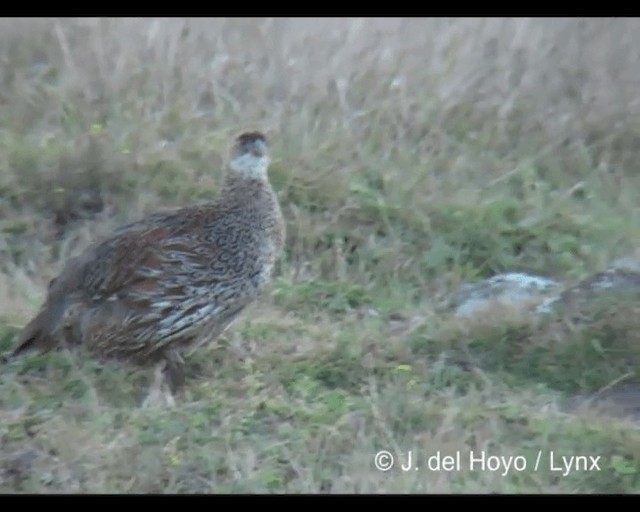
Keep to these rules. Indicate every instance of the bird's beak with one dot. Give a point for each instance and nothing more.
(259, 148)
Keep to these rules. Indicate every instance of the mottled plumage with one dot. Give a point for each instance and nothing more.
(171, 280)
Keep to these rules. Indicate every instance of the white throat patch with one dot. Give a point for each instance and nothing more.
(250, 166)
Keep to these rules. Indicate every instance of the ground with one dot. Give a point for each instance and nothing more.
(409, 156)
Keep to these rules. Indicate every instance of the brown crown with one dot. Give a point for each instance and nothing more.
(248, 138)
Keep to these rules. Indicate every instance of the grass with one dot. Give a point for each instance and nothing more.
(409, 156)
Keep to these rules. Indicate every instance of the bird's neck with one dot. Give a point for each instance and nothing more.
(238, 183)
(247, 192)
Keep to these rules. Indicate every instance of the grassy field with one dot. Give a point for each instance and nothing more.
(409, 156)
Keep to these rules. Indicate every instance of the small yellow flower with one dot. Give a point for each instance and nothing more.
(171, 452)
(96, 128)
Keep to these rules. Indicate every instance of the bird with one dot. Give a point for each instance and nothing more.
(163, 285)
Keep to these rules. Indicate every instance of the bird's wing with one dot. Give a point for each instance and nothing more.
(112, 265)
(150, 284)
(95, 276)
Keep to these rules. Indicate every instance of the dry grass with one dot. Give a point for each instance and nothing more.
(409, 155)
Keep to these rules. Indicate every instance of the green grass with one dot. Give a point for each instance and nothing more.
(409, 156)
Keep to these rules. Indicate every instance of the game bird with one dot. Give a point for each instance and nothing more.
(163, 285)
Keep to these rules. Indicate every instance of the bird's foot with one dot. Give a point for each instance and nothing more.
(159, 399)
(160, 395)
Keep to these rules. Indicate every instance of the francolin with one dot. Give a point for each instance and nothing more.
(170, 281)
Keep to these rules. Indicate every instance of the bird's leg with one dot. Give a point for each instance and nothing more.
(174, 370)
(159, 393)
(168, 395)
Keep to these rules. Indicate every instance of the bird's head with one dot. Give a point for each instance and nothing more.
(250, 155)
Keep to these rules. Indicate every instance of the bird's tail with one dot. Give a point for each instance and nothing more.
(33, 336)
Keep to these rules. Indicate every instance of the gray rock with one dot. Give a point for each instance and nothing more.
(510, 288)
(611, 281)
